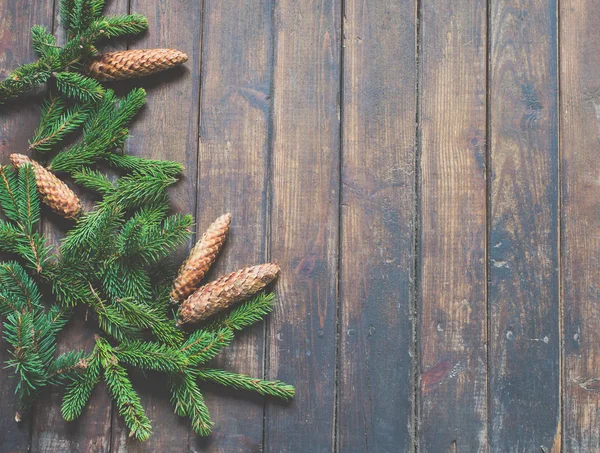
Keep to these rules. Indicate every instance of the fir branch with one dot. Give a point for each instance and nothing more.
(9, 236)
(202, 346)
(80, 389)
(111, 320)
(144, 316)
(130, 237)
(89, 232)
(15, 281)
(151, 356)
(139, 189)
(116, 26)
(142, 165)
(29, 330)
(35, 250)
(67, 367)
(155, 242)
(100, 120)
(188, 401)
(9, 186)
(57, 318)
(121, 390)
(65, 9)
(25, 78)
(82, 13)
(44, 43)
(128, 107)
(51, 111)
(122, 279)
(20, 203)
(93, 180)
(246, 314)
(27, 199)
(78, 86)
(244, 382)
(72, 160)
(54, 128)
(161, 279)
(70, 284)
(19, 332)
(104, 130)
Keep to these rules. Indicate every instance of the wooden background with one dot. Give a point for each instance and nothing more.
(427, 174)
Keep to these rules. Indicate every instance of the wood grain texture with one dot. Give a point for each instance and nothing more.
(377, 227)
(452, 333)
(308, 141)
(234, 147)
(91, 431)
(523, 246)
(167, 128)
(18, 119)
(580, 134)
(304, 237)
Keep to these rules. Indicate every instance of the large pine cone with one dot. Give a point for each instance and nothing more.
(201, 257)
(226, 291)
(128, 64)
(53, 191)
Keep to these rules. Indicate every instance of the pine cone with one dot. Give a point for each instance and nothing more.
(201, 257)
(128, 64)
(226, 291)
(53, 191)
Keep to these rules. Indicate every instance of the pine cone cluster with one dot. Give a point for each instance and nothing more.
(222, 293)
(129, 64)
(53, 191)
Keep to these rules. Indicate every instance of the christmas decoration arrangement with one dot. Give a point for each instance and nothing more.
(116, 258)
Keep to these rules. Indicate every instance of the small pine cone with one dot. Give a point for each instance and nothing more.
(53, 191)
(226, 291)
(201, 257)
(128, 64)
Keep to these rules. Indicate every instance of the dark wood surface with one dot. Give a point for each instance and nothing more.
(579, 115)
(425, 172)
(524, 339)
(376, 279)
(452, 235)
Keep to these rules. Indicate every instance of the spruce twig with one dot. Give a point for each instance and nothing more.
(243, 382)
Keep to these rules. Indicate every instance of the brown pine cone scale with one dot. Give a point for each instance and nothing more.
(226, 291)
(201, 257)
(53, 191)
(128, 64)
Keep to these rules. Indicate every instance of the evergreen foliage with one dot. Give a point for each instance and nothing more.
(86, 28)
(116, 258)
(80, 87)
(57, 121)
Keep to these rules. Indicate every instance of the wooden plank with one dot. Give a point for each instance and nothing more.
(18, 120)
(377, 227)
(452, 332)
(523, 245)
(304, 222)
(580, 133)
(167, 128)
(232, 166)
(91, 431)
